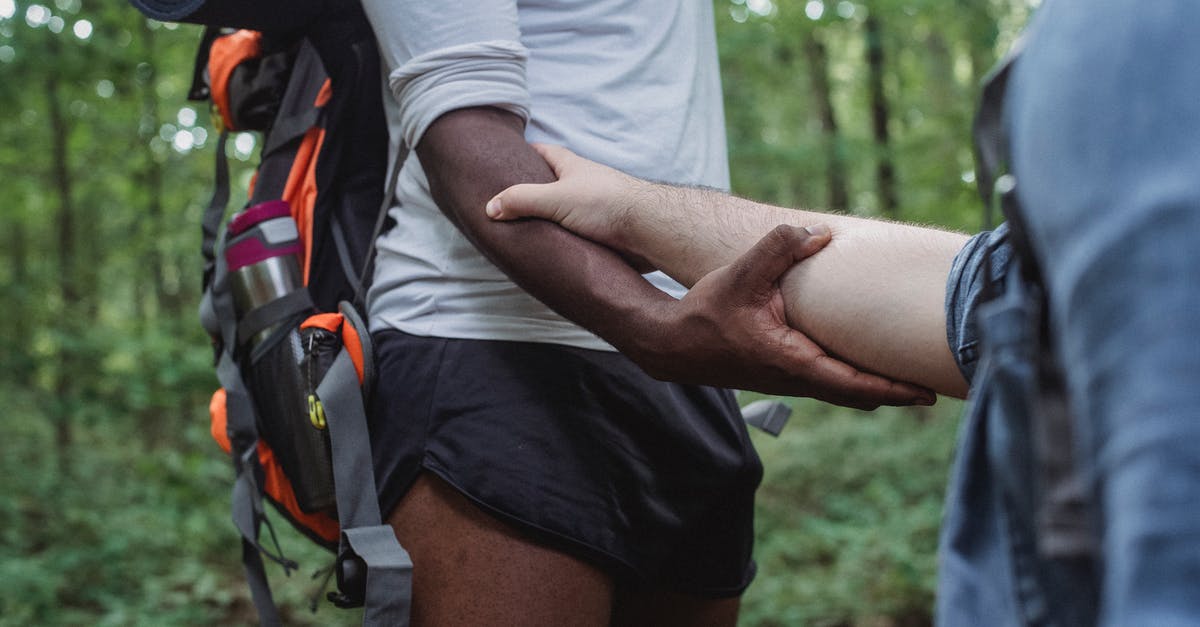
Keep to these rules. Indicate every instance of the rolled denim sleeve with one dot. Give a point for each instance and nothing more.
(449, 55)
(1105, 123)
(964, 293)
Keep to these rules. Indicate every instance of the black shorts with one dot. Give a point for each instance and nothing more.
(653, 482)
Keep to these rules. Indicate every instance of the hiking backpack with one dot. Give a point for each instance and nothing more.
(284, 290)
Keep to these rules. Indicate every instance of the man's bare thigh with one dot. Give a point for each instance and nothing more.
(470, 568)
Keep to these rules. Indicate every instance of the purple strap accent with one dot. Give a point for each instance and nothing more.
(261, 212)
(253, 250)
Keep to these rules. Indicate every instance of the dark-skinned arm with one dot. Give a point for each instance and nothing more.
(729, 332)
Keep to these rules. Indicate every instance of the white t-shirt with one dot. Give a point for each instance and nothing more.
(633, 84)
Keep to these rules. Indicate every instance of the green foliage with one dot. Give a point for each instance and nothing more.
(848, 514)
(115, 510)
(131, 532)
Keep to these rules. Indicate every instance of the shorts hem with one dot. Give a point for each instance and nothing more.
(616, 566)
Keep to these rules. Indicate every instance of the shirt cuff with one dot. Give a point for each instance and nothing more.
(964, 293)
(489, 73)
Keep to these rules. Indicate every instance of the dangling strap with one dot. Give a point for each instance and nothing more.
(769, 416)
(246, 497)
(386, 586)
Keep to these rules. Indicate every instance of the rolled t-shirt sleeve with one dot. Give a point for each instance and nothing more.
(442, 56)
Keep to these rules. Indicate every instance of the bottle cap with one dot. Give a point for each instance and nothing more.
(261, 232)
(258, 213)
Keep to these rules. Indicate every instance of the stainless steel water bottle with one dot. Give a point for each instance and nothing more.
(262, 253)
(283, 365)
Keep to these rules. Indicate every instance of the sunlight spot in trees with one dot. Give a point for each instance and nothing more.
(166, 132)
(201, 136)
(37, 15)
(78, 108)
(56, 24)
(760, 7)
(845, 10)
(184, 141)
(167, 88)
(105, 88)
(69, 6)
(739, 13)
(814, 9)
(7, 54)
(158, 148)
(771, 136)
(244, 145)
(963, 70)
(82, 29)
(968, 177)
(186, 116)
(8, 8)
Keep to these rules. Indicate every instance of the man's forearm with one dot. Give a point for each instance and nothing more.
(469, 155)
(874, 296)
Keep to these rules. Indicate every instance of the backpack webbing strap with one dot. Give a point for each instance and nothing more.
(290, 128)
(368, 259)
(246, 496)
(386, 586)
(388, 590)
(282, 308)
(297, 114)
(215, 212)
(260, 590)
(769, 416)
(338, 235)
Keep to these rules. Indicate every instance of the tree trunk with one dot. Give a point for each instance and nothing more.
(941, 86)
(982, 30)
(67, 286)
(18, 331)
(835, 165)
(153, 298)
(885, 170)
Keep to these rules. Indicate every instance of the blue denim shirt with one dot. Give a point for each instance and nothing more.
(1103, 119)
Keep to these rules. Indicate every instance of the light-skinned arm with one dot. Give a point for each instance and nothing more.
(873, 297)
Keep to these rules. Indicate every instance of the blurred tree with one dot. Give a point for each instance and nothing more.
(70, 309)
(881, 115)
(835, 165)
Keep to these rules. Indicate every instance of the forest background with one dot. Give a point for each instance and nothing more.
(114, 506)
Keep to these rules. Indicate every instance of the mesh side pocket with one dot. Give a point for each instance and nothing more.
(283, 380)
